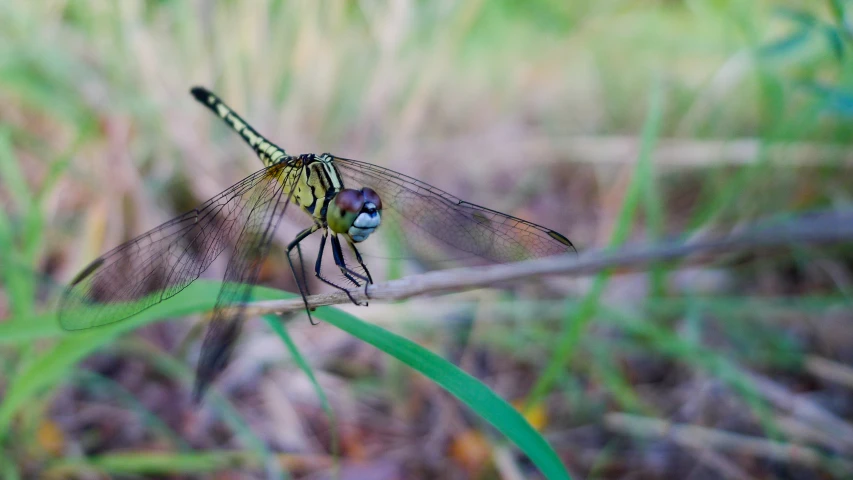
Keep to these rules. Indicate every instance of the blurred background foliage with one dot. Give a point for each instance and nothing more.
(609, 121)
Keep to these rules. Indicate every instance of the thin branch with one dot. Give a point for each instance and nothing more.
(819, 228)
(721, 464)
(696, 437)
(800, 407)
(828, 370)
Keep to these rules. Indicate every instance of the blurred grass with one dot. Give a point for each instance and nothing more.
(276, 323)
(99, 141)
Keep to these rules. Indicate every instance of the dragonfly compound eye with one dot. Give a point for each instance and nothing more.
(367, 218)
(349, 200)
(346, 208)
(370, 196)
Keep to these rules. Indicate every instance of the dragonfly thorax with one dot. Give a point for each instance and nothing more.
(355, 213)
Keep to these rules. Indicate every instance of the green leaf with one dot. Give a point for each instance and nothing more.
(147, 463)
(575, 323)
(463, 386)
(11, 174)
(836, 43)
(785, 45)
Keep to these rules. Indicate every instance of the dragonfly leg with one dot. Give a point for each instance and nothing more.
(302, 267)
(303, 286)
(361, 262)
(342, 264)
(319, 264)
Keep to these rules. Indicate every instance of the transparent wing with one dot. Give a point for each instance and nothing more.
(417, 210)
(265, 210)
(160, 263)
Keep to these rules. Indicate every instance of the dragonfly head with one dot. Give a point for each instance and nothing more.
(355, 213)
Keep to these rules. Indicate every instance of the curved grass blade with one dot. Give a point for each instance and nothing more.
(463, 386)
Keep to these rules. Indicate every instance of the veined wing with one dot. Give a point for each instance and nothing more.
(422, 209)
(265, 210)
(159, 264)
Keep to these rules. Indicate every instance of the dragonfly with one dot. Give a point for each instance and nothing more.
(346, 202)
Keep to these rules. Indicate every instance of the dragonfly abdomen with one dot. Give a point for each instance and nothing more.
(269, 153)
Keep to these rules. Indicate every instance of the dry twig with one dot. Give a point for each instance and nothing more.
(827, 227)
(695, 437)
(828, 370)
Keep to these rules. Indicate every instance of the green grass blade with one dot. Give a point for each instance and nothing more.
(15, 246)
(463, 386)
(11, 174)
(148, 463)
(575, 324)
